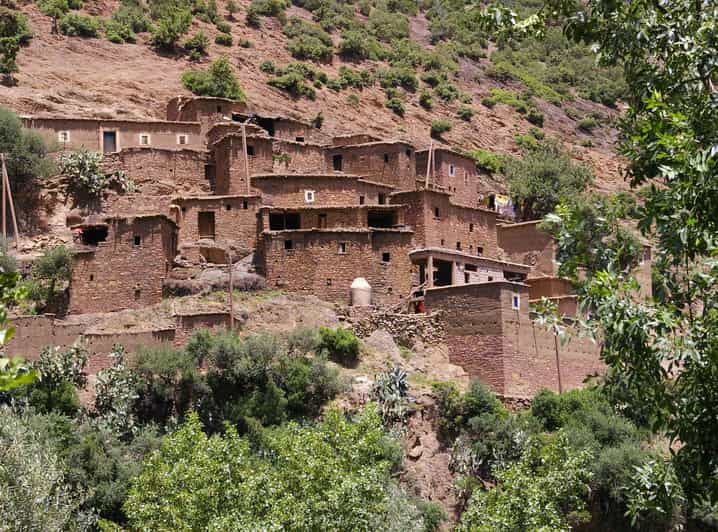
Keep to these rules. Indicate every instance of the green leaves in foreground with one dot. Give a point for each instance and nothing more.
(329, 476)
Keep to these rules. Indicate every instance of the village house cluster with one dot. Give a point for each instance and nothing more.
(317, 212)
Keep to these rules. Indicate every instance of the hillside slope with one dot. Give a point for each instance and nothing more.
(92, 77)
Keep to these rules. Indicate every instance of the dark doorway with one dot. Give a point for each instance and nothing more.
(279, 221)
(205, 221)
(337, 163)
(322, 221)
(383, 219)
(210, 175)
(109, 141)
(267, 124)
(442, 273)
(91, 236)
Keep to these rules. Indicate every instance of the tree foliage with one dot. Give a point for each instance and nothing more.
(85, 176)
(217, 81)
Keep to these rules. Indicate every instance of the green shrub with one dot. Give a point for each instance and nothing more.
(398, 77)
(535, 116)
(308, 41)
(353, 100)
(217, 81)
(433, 514)
(433, 77)
(487, 161)
(266, 8)
(488, 101)
(396, 104)
(223, 27)
(84, 175)
(425, 99)
(132, 16)
(348, 77)
(440, 126)
(267, 67)
(118, 33)
(358, 44)
(292, 79)
(169, 28)
(197, 45)
(340, 344)
(245, 43)
(587, 124)
(446, 91)
(465, 112)
(232, 8)
(387, 26)
(74, 25)
(223, 39)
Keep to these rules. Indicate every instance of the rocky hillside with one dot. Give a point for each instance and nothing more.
(93, 77)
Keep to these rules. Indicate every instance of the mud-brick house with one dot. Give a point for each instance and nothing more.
(233, 171)
(440, 223)
(110, 136)
(451, 172)
(389, 162)
(121, 262)
(203, 109)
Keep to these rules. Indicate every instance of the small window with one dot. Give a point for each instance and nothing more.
(386, 257)
(471, 228)
(250, 150)
(289, 245)
(182, 140)
(515, 301)
(184, 209)
(442, 241)
(436, 212)
(386, 157)
(144, 139)
(408, 152)
(382, 199)
(479, 250)
(342, 248)
(467, 278)
(245, 205)
(138, 240)
(329, 282)
(138, 294)
(92, 277)
(219, 108)
(452, 170)
(491, 278)
(63, 136)
(228, 207)
(309, 196)
(337, 163)
(361, 200)
(300, 139)
(458, 246)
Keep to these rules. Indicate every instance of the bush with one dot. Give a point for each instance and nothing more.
(487, 161)
(340, 345)
(358, 44)
(245, 43)
(387, 26)
(396, 104)
(26, 153)
(223, 39)
(223, 27)
(438, 127)
(353, 100)
(292, 79)
(132, 16)
(265, 8)
(51, 272)
(425, 99)
(535, 116)
(446, 91)
(84, 175)
(217, 81)
(587, 124)
(118, 33)
(465, 112)
(398, 77)
(433, 77)
(170, 27)
(197, 45)
(267, 67)
(308, 41)
(232, 8)
(74, 25)
(489, 102)
(433, 514)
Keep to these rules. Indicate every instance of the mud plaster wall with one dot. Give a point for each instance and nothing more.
(87, 133)
(119, 274)
(303, 158)
(526, 244)
(463, 185)
(392, 164)
(235, 219)
(289, 191)
(230, 170)
(317, 266)
(331, 217)
(501, 346)
(158, 171)
(472, 228)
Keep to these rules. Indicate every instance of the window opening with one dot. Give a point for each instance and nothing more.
(337, 163)
(289, 245)
(386, 257)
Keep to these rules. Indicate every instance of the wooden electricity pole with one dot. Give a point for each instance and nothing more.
(428, 164)
(7, 196)
(231, 290)
(246, 158)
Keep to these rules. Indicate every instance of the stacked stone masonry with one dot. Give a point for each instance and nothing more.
(317, 212)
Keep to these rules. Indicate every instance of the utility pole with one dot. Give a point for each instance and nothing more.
(231, 290)
(246, 158)
(7, 195)
(558, 363)
(428, 164)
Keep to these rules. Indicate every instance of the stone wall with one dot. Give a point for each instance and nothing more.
(193, 108)
(118, 274)
(162, 171)
(456, 227)
(455, 173)
(87, 133)
(303, 158)
(384, 162)
(330, 217)
(502, 346)
(235, 218)
(230, 169)
(526, 244)
(324, 263)
(404, 328)
(291, 191)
